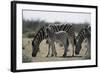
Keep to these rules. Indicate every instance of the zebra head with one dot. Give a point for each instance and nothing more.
(79, 40)
(78, 46)
(35, 49)
(49, 30)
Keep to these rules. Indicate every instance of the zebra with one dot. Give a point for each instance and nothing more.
(83, 34)
(41, 35)
(37, 40)
(60, 36)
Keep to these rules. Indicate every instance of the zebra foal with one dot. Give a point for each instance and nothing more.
(60, 36)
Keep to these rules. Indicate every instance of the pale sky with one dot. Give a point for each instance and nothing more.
(57, 16)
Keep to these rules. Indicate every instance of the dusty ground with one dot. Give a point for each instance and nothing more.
(41, 56)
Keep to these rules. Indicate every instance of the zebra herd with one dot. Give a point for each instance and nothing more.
(60, 34)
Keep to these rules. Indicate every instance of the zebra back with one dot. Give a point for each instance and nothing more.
(64, 27)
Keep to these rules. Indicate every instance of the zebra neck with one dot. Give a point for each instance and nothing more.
(40, 36)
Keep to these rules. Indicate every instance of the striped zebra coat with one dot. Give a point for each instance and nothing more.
(82, 35)
(41, 35)
(59, 36)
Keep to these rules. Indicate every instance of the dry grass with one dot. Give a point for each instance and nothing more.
(41, 56)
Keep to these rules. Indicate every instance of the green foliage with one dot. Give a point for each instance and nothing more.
(31, 35)
(32, 26)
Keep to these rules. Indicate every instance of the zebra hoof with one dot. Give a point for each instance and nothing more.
(52, 55)
(64, 55)
(47, 56)
(55, 54)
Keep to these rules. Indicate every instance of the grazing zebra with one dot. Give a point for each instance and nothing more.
(60, 36)
(83, 34)
(41, 35)
(37, 40)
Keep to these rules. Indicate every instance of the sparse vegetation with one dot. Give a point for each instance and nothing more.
(30, 28)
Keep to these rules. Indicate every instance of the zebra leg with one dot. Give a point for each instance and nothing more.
(52, 54)
(72, 49)
(53, 50)
(48, 51)
(66, 44)
(55, 53)
(65, 50)
(72, 42)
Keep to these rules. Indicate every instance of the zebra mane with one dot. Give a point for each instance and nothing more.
(40, 35)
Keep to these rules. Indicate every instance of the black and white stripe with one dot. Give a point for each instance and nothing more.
(84, 33)
(41, 34)
(39, 37)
